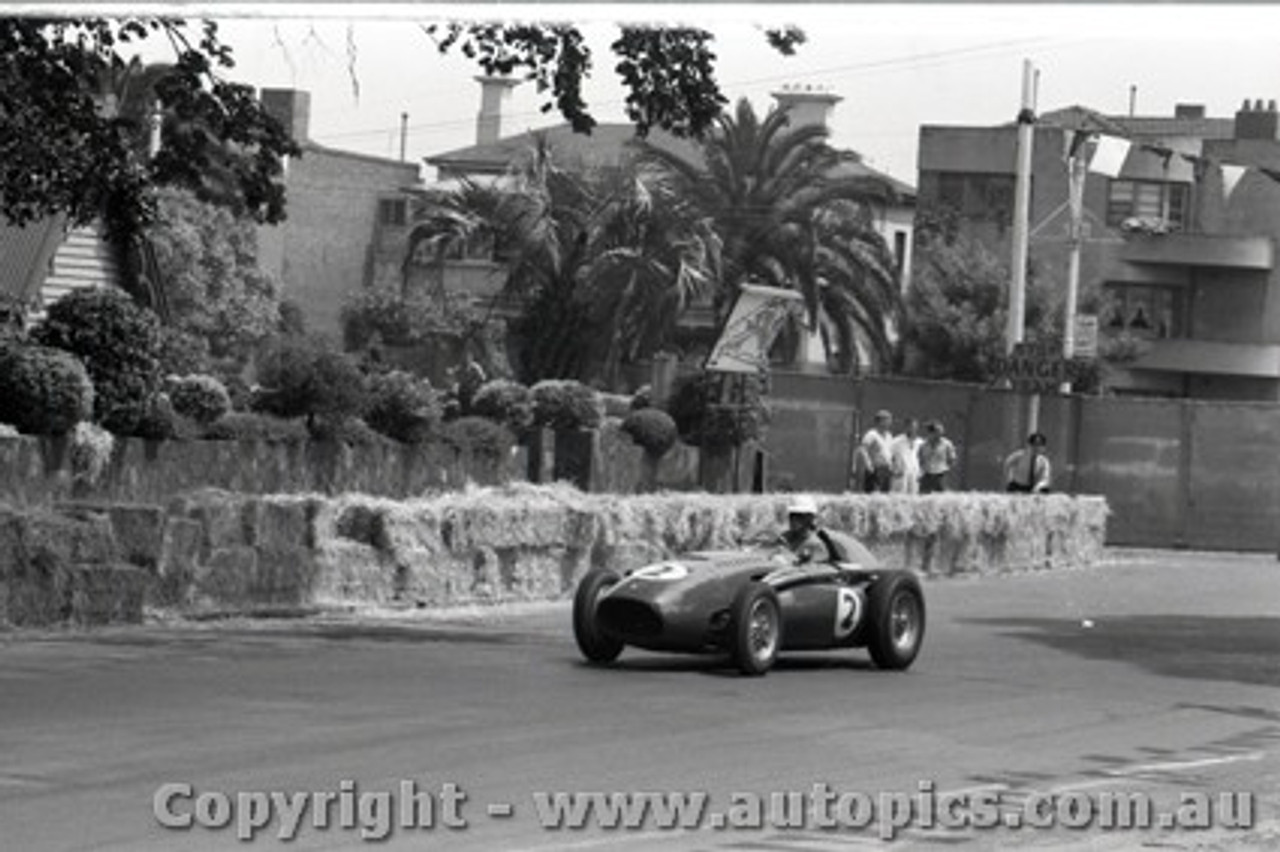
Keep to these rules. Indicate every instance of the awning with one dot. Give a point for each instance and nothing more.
(1212, 357)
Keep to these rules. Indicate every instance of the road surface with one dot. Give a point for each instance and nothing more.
(1156, 674)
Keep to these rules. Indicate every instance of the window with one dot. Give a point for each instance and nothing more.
(1151, 312)
(392, 212)
(976, 196)
(1146, 199)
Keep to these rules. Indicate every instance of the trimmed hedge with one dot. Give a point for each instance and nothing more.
(43, 391)
(505, 402)
(403, 406)
(566, 404)
(202, 398)
(653, 429)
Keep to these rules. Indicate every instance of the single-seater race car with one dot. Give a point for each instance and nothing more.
(752, 604)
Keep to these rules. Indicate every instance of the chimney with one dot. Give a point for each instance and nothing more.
(292, 108)
(807, 104)
(494, 91)
(1258, 121)
(1188, 111)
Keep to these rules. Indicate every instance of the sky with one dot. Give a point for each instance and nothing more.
(896, 66)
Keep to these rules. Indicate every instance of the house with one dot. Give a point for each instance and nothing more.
(44, 260)
(477, 275)
(1179, 247)
(347, 225)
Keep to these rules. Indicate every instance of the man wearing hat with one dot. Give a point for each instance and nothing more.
(1027, 470)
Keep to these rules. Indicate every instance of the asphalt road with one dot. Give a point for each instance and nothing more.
(1156, 674)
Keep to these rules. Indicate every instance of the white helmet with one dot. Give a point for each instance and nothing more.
(803, 505)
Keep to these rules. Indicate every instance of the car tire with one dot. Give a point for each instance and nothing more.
(596, 645)
(897, 621)
(755, 628)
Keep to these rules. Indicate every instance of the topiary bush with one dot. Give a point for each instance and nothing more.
(703, 421)
(505, 402)
(347, 430)
(642, 398)
(653, 429)
(566, 404)
(119, 343)
(43, 391)
(481, 437)
(306, 378)
(403, 406)
(248, 426)
(202, 398)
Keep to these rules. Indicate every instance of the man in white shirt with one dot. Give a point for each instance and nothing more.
(879, 454)
(904, 459)
(1028, 470)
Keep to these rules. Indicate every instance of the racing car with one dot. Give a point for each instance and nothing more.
(754, 603)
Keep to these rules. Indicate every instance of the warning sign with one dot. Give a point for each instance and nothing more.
(1032, 367)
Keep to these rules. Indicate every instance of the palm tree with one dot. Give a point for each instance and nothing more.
(789, 216)
(602, 262)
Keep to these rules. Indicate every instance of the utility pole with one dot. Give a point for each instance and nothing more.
(1016, 326)
(1075, 200)
(404, 133)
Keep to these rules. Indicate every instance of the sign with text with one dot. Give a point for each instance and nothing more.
(1032, 367)
(1086, 336)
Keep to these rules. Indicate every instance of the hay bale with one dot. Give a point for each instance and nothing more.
(226, 578)
(285, 574)
(106, 594)
(284, 521)
(179, 553)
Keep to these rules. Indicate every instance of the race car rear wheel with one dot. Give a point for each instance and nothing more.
(596, 645)
(756, 628)
(897, 627)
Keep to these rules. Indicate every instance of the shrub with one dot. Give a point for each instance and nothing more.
(43, 391)
(202, 398)
(119, 343)
(247, 426)
(652, 429)
(159, 421)
(642, 398)
(505, 402)
(705, 422)
(183, 353)
(479, 436)
(347, 430)
(305, 378)
(566, 404)
(471, 377)
(91, 448)
(403, 406)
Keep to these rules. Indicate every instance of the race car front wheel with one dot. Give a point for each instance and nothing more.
(756, 628)
(595, 644)
(897, 626)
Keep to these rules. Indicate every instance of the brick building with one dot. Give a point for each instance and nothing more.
(347, 222)
(1183, 264)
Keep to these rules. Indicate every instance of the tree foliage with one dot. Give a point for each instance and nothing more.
(788, 214)
(71, 145)
(602, 261)
(668, 72)
(958, 309)
(208, 260)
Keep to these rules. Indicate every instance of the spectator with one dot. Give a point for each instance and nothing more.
(937, 457)
(905, 460)
(860, 475)
(1027, 470)
(876, 442)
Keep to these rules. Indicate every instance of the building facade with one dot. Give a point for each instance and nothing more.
(347, 226)
(1178, 251)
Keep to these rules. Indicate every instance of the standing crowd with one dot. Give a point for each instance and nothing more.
(908, 463)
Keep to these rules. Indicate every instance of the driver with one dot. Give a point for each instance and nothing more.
(802, 535)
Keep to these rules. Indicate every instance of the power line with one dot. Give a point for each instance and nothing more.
(920, 60)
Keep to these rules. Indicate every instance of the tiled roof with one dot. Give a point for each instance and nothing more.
(25, 255)
(604, 146)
